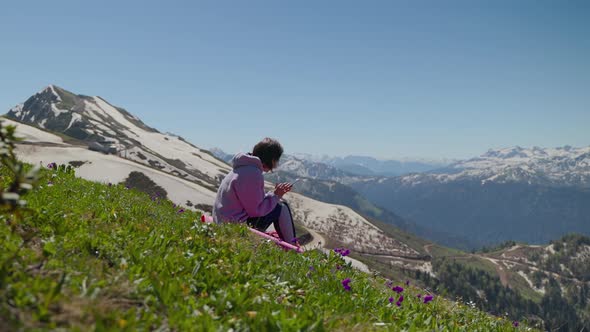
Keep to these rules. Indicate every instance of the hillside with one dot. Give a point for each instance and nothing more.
(369, 166)
(88, 255)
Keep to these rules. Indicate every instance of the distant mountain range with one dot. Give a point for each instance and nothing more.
(332, 185)
(560, 167)
(370, 166)
(332, 168)
(532, 195)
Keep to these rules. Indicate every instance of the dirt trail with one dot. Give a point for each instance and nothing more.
(317, 241)
(427, 249)
(500, 269)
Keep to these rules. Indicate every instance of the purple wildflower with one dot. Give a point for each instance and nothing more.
(389, 283)
(397, 289)
(338, 267)
(311, 268)
(391, 300)
(181, 211)
(52, 165)
(515, 323)
(428, 298)
(110, 184)
(398, 303)
(407, 282)
(345, 284)
(343, 252)
(50, 183)
(174, 205)
(419, 296)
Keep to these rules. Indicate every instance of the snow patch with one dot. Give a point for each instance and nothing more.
(52, 90)
(32, 134)
(17, 110)
(103, 128)
(109, 168)
(75, 118)
(57, 111)
(346, 226)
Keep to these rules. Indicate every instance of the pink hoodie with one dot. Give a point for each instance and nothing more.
(241, 193)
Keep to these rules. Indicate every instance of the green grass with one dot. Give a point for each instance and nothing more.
(518, 283)
(440, 251)
(100, 257)
(477, 263)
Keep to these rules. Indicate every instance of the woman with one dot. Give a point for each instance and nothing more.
(241, 196)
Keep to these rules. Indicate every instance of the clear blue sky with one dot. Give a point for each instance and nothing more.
(391, 79)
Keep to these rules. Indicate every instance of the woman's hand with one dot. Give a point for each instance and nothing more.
(282, 188)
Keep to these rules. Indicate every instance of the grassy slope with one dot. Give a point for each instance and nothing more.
(103, 257)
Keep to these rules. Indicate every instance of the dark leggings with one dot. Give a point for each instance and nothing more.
(262, 223)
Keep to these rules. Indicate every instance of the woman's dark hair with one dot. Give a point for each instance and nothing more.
(268, 150)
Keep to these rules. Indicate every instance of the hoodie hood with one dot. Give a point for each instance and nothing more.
(244, 159)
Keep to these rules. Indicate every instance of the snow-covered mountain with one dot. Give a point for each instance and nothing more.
(531, 195)
(304, 168)
(562, 166)
(110, 129)
(344, 169)
(370, 166)
(186, 172)
(314, 170)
